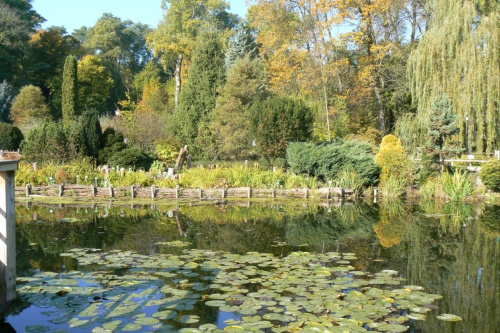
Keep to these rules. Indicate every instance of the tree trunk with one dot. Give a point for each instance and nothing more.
(381, 118)
(178, 81)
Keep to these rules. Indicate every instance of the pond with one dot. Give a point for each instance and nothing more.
(265, 267)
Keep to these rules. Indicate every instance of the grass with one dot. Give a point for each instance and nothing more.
(458, 186)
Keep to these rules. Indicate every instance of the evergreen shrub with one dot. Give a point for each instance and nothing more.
(490, 175)
(10, 137)
(131, 158)
(328, 160)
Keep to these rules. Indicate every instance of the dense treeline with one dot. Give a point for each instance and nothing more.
(237, 88)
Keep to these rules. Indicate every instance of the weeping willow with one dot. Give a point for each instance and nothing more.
(460, 56)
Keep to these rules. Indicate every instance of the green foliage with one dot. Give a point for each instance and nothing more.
(241, 45)
(246, 84)
(329, 160)
(167, 151)
(458, 186)
(131, 158)
(70, 90)
(47, 143)
(392, 186)
(239, 176)
(10, 137)
(432, 188)
(29, 104)
(94, 84)
(278, 121)
(6, 99)
(91, 133)
(490, 175)
(112, 142)
(442, 126)
(349, 179)
(197, 99)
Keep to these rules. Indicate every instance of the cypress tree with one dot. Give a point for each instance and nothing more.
(70, 90)
(197, 99)
(91, 133)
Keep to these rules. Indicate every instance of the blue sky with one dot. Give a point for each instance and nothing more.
(72, 14)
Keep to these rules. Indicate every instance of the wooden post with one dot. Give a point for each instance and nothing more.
(111, 192)
(180, 159)
(7, 232)
(93, 190)
(132, 194)
(200, 194)
(177, 192)
(61, 190)
(28, 190)
(305, 192)
(249, 192)
(153, 191)
(223, 194)
(273, 194)
(328, 193)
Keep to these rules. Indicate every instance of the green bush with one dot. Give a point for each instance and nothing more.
(278, 121)
(47, 143)
(131, 158)
(490, 175)
(327, 161)
(10, 137)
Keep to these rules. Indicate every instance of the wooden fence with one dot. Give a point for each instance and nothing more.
(153, 192)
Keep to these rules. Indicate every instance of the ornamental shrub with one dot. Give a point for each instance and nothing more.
(490, 175)
(10, 137)
(278, 121)
(329, 160)
(131, 158)
(392, 158)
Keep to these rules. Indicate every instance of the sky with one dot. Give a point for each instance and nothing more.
(73, 14)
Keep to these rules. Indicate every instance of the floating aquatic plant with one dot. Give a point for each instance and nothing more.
(303, 291)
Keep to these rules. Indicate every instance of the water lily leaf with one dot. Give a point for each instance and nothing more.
(393, 328)
(448, 317)
(207, 327)
(37, 328)
(131, 327)
(188, 319)
(416, 316)
(165, 315)
(147, 321)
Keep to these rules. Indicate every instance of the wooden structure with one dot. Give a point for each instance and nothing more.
(7, 232)
(153, 192)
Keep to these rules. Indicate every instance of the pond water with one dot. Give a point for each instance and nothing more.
(268, 267)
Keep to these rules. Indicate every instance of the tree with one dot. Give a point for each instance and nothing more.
(442, 126)
(393, 159)
(91, 133)
(94, 84)
(122, 47)
(10, 137)
(458, 56)
(45, 143)
(198, 97)
(246, 84)
(7, 96)
(29, 105)
(18, 21)
(241, 45)
(70, 90)
(184, 20)
(278, 121)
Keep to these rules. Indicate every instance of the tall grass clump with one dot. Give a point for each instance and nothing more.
(350, 179)
(392, 187)
(458, 186)
(432, 188)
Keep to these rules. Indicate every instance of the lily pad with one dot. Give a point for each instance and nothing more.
(448, 317)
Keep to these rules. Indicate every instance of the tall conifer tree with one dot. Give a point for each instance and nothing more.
(70, 90)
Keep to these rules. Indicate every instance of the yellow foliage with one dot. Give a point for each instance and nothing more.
(392, 158)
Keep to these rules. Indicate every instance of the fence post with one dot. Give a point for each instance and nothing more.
(305, 192)
(177, 192)
(111, 194)
(199, 192)
(273, 193)
(28, 190)
(249, 192)
(223, 193)
(93, 190)
(132, 191)
(153, 191)
(61, 190)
